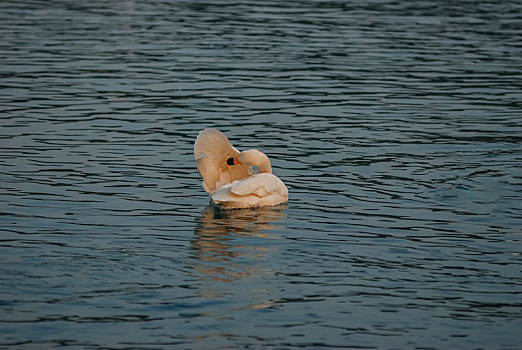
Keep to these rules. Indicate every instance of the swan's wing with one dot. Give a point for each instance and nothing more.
(257, 190)
(214, 141)
(260, 185)
(211, 151)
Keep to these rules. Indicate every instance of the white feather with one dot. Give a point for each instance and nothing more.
(211, 151)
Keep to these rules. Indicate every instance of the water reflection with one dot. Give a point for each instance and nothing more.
(223, 243)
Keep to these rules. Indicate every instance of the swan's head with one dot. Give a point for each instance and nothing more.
(252, 157)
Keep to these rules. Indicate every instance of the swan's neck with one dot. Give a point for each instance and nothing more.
(255, 158)
(264, 168)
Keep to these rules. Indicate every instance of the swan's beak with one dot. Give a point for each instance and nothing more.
(233, 161)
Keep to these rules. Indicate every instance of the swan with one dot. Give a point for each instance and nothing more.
(229, 177)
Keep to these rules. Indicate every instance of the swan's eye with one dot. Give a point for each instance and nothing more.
(233, 161)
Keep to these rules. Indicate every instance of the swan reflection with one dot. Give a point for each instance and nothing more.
(221, 246)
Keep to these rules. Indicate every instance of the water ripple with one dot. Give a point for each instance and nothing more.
(395, 125)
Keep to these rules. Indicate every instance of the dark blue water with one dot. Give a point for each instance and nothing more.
(397, 128)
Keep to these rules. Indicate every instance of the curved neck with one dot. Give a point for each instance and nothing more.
(255, 158)
(265, 168)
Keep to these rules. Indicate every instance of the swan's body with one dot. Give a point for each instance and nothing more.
(228, 175)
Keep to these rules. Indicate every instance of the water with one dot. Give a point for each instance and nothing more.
(396, 127)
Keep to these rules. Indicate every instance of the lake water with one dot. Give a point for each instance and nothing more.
(397, 128)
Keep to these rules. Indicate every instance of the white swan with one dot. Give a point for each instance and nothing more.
(229, 177)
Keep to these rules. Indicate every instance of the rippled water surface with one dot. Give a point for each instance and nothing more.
(397, 127)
